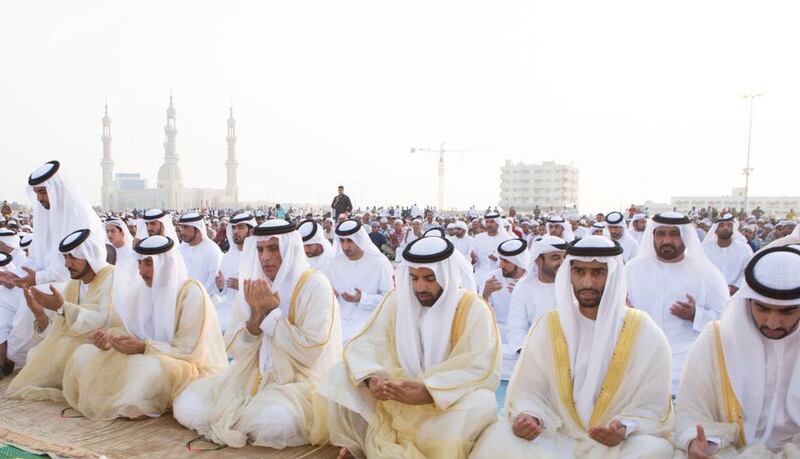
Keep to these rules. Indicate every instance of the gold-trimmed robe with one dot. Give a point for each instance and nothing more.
(635, 389)
(462, 387)
(42, 375)
(304, 345)
(106, 384)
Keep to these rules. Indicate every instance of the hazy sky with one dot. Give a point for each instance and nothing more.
(642, 96)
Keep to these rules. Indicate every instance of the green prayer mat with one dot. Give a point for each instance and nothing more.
(12, 452)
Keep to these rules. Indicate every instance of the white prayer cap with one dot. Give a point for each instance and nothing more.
(451, 226)
(416, 220)
(610, 314)
(461, 225)
(637, 217)
(384, 220)
(414, 332)
(515, 251)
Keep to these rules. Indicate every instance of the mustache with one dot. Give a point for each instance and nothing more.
(593, 290)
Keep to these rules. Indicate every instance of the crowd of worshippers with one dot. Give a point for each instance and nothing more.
(629, 337)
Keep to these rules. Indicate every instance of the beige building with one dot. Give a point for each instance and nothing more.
(129, 190)
(547, 185)
(772, 205)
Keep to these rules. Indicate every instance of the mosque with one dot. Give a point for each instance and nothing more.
(129, 191)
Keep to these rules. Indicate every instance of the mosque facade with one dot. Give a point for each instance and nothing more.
(128, 191)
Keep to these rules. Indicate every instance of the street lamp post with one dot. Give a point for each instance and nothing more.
(748, 169)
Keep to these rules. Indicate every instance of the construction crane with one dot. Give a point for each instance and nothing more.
(441, 152)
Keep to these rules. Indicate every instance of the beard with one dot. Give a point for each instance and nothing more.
(427, 299)
(588, 301)
(78, 275)
(509, 274)
(238, 240)
(725, 235)
(669, 251)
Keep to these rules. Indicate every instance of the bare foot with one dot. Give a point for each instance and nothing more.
(344, 453)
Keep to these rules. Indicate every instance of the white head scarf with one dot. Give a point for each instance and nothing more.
(745, 348)
(92, 248)
(126, 233)
(501, 224)
(515, 251)
(796, 233)
(198, 222)
(694, 250)
(149, 312)
(245, 218)
(464, 267)
(68, 210)
(360, 237)
(430, 332)
(541, 246)
(12, 240)
(165, 219)
(293, 265)
(618, 220)
(610, 316)
(312, 233)
(711, 236)
(602, 227)
(567, 234)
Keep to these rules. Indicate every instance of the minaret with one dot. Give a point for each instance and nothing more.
(170, 179)
(107, 190)
(231, 187)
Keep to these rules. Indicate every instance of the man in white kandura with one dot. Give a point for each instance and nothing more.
(286, 338)
(170, 336)
(535, 293)
(360, 275)
(318, 250)
(58, 208)
(672, 280)
(617, 229)
(419, 380)
(740, 389)
(593, 379)
(84, 307)
(558, 227)
(727, 248)
(498, 288)
(485, 246)
(238, 230)
(201, 255)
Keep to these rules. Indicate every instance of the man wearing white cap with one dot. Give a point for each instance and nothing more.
(84, 307)
(486, 246)
(674, 282)
(238, 230)
(739, 393)
(534, 294)
(463, 242)
(418, 380)
(58, 208)
(360, 275)
(558, 227)
(498, 288)
(593, 377)
(286, 338)
(201, 255)
(636, 227)
(170, 336)
(727, 248)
